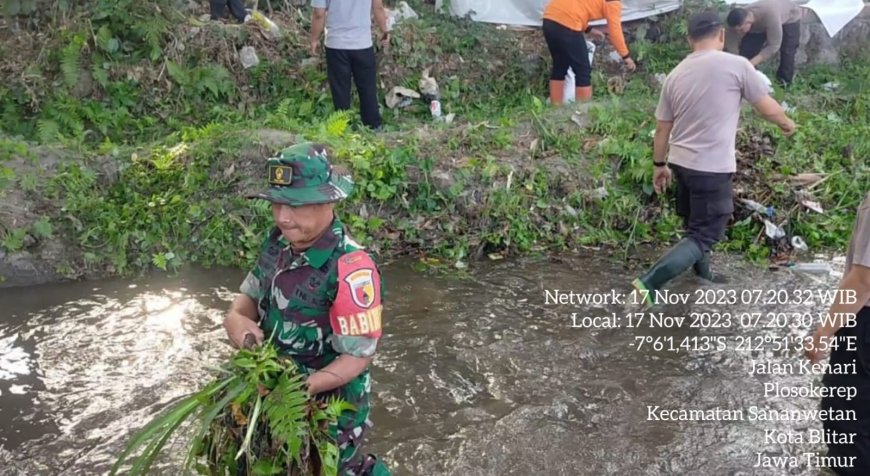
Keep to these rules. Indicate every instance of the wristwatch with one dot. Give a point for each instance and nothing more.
(660, 164)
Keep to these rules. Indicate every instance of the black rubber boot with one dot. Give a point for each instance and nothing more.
(680, 258)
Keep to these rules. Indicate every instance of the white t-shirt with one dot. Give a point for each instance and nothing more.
(348, 23)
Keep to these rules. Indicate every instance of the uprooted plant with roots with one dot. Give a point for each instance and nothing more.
(255, 417)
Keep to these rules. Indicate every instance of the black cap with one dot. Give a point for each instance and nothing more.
(703, 23)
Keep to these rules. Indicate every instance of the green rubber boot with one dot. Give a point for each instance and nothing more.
(380, 469)
(702, 269)
(680, 258)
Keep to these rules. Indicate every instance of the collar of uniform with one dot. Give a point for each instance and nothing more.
(318, 254)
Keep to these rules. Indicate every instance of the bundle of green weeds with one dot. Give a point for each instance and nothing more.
(254, 418)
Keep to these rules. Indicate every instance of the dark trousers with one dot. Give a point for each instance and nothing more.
(859, 448)
(219, 9)
(705, 203)
(361, 65)
(568, 49)
(752, 43)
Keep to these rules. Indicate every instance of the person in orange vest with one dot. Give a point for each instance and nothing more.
(565, 22)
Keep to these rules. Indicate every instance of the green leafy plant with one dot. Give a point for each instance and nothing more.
(254, 416)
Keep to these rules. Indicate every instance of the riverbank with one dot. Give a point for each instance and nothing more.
(121, 180)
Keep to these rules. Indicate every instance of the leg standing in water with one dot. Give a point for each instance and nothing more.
(697, 114)
(851, 452)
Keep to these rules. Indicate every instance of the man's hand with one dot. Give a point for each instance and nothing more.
(787, 127)
(662, 177)
(630, 65)
(385, 42)
(238, 326)
(314, 46)
(596, 34)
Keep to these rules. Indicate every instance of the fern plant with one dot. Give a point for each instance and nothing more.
(256, 418)
(70, 61)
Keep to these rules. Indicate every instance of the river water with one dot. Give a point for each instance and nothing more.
(476, 374)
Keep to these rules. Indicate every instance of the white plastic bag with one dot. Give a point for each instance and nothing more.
(766, 80)
(568, 92)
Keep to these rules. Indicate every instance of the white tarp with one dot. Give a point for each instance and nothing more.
(834, 14)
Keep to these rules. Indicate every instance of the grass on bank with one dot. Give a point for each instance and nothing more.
(512, 175)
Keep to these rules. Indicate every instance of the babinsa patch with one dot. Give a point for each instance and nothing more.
(356, 310)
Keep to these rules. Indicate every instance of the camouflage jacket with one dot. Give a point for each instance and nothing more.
(320, 303)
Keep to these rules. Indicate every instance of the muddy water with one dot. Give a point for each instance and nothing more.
(477, 375)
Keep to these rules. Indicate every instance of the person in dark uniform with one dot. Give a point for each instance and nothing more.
(236, 8)
(849, 445)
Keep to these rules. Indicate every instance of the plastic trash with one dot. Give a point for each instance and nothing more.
(799, 244)
(772, 231)
(402, 11)
(813, 267)
(766, 80)
(263, 22)
(428, 86)
(813, 205)
(435, 108)
(248, 57)
(568, 89)
(757, 207)
(401, 97)
(832, 86)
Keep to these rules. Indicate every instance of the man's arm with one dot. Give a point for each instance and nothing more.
(613, 14)
(732, 41)
(662, 174)
(774, 38)
(355, 318)
(380, 16)
(244, 306)
(857, 280)
(242, 319)
(341, 371)
(318, 22)
(772, 111)
(662, 138)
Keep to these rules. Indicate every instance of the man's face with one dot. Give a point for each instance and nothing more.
(303, 224)
(747, 24)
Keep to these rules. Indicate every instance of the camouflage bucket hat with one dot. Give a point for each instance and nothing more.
(302, 175)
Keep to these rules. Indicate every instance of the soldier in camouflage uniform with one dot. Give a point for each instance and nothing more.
(317, 292)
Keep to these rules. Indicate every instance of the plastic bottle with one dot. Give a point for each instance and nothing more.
(568, 89)
(435, 108)
(799, 244)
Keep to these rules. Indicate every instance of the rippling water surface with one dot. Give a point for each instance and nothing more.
(476, 374)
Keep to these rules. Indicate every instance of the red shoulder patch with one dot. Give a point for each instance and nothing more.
(357, 307)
